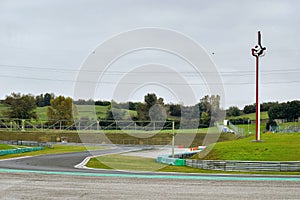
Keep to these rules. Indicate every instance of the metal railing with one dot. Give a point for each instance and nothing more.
(279, 166)
(28, 125)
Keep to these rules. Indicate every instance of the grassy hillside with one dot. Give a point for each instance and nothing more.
(84, 111)
(117, 137)
(276, 147)
(42, 112)
(252, 116)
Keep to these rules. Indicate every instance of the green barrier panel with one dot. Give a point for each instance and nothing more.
(21, 150)
(165, 159)
(180, 162)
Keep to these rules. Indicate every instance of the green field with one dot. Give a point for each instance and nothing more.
(83, 111)
(275, 147)
(252, 116)
(251, 128)
(100, 111)
(42, 113)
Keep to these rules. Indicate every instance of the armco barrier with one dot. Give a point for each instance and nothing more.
(27, 143)
(229, 165)
(20, 150)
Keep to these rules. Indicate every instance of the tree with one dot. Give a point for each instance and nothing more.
(292, 110)
(276, 112)
(233, 111)
(210, 105)
(266, 106)
(61, 110)
(132, 105)
(150, 100)
(153, 109)
(20, 106)
(39, 100)
(47, 99)
(102, 103)
(205, 105)
(289, 111)
(249, 109)
(43, 100)
(175, 110)
(157, 112)
(205, 119)
(190, 112)
(116, 113)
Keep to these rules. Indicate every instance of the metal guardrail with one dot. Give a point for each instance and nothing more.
(81, 125)
(27, 143)
(290, 166)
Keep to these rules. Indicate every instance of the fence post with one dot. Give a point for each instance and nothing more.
(23, 125)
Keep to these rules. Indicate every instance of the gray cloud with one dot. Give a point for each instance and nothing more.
(43, 43)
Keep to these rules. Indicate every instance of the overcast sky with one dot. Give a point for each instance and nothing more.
(43, 43)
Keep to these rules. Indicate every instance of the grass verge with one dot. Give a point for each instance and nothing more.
(252, 116)
(121, 162)
(6, 147)
(134, 163)
(275, 147)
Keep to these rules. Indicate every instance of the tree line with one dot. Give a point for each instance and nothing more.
(23, 106)
(153, 108)
(287, 110)
(234, 111)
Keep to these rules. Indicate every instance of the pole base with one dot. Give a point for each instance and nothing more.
(257, 141)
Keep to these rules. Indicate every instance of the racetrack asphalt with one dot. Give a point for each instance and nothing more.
(61, 162)
(55, 177)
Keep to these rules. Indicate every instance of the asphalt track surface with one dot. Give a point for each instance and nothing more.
(54, 177)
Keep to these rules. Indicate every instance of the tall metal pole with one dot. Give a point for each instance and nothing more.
(173, 138)
(257, 102)
(258, 51)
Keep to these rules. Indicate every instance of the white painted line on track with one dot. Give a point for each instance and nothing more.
(16, 158)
